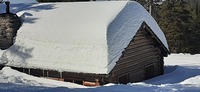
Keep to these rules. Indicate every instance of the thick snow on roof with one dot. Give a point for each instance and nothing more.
(125, 26)
(84, 37)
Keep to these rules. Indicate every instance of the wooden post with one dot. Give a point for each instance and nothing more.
(29, 71)
(97, 82)
(43, 73)
(47, 73)
(61, 75)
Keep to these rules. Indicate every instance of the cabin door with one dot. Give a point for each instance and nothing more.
(124, 79)
(149, 71)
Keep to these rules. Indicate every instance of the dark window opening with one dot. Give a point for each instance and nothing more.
(1, 67)
(36, 72)
(53, 74)
(26, 71)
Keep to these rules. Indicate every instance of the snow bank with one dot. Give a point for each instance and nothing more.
(177, 75)
(182, 59)
(8, 75)
(192, 80)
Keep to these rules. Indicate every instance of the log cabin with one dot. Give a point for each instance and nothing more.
(89, 43)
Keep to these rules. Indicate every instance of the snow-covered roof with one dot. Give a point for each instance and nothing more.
(86, 37)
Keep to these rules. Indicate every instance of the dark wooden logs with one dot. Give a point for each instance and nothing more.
(141, 56)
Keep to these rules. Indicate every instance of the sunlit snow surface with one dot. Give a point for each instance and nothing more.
(182, 74)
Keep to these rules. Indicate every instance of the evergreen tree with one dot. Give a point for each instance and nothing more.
(175, 21)
(194, 8)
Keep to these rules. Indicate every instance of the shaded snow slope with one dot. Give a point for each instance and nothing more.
(75, 37)
(177, 74)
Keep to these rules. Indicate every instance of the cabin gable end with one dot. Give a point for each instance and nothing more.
(141, 59)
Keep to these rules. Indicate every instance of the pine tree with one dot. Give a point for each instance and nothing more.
(194, 43)
(174, 21)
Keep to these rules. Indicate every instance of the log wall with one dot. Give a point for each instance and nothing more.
(141, 60)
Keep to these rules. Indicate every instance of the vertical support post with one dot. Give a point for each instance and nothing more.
(43, 73)
(61, 75)
(97, 82)
(29, 71)
(47, 73)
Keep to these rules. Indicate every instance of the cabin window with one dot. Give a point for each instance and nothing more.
(18, 69)
(124, 79)
(45, 73)
(53, 74)
(36, 72)
(26, 71)
(149, 71)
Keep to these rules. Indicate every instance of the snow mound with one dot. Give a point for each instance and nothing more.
(182, 59)
(192, 80)
(180, 73)
(8, 75)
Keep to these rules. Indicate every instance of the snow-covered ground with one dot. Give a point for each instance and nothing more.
(182, 74)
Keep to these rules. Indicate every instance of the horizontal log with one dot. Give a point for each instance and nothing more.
(133, 66)
(147, 52)
(133, 46)
(139, 49)
(143, 36)
(140, 43)
(140, 60)
(140, 37)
